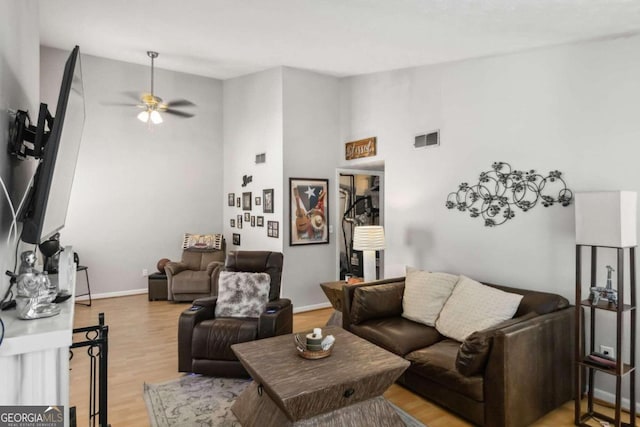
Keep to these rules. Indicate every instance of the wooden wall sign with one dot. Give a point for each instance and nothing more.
(361, 148)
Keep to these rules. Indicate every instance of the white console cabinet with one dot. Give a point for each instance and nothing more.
(34, 356)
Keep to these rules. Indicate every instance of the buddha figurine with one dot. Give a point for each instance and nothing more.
(35, 294)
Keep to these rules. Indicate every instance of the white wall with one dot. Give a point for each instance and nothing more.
(572, 108)
(292, 116)
(19, 89)
(253, 125)
(311, 128)
(137, 190)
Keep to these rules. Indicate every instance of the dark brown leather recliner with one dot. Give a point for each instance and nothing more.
(204, 341)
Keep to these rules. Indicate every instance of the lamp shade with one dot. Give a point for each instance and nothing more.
(368, 238)
(606, 218)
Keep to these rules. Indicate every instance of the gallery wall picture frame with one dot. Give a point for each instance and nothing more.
(267, 200)
(257, 201)
(253, 221)
(308, 211)
(239, 221)
(246, 201)
(260, 221)
(273, 229)
(247, 217)
(236, 239)
(231, 199)
(238, 202)
(232, 222)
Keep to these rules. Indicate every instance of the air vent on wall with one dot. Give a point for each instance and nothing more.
(261, 158)
(427, 140)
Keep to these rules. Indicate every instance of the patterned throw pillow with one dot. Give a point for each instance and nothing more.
(242, 294)
(472, 307)
(202, 241)
(424, 295)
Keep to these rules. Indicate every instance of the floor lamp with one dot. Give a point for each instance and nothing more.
(606, 219)
(368, 239)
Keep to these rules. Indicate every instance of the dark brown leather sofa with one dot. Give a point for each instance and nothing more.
(506, 376)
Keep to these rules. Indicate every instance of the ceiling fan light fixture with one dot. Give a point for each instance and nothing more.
(144, 116)
(155, 117)
(153, 105)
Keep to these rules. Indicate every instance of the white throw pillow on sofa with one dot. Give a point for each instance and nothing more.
(473, 306)
(242, 294)
(425, 293)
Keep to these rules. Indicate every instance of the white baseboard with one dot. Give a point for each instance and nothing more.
(611, 398)
(114, 294)
(311, 307)
(145, 290)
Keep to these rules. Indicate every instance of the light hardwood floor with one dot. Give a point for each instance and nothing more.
(143, 348)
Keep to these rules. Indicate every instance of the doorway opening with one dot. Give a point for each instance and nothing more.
(360, 203)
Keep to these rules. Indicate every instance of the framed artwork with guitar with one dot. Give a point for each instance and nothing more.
(308, 211)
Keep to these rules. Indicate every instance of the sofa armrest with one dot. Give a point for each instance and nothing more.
(173, 268)
(347, 297)
(530, 369)
(206, 302)
(474, 351)
(213, 270)
(213, 265)
(277, 319)
(278, 304)
(188, 320)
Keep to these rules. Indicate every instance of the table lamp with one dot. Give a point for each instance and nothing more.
(606, 218)
(368, 239)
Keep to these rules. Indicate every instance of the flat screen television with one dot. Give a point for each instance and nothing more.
(45, 209)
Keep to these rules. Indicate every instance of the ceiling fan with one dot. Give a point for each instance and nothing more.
(153, 105)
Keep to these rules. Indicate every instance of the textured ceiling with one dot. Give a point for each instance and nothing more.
(228, 38)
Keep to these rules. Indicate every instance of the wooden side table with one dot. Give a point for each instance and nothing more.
(333, 291)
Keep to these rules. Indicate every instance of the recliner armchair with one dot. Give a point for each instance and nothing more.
(195, 276)
(204, 341)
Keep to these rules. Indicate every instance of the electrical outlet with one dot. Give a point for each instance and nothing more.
(607, 351)
(145, 272)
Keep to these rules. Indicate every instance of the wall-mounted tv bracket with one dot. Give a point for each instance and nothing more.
(25, 139)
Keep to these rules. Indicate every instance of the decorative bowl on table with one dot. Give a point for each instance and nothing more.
(300, 341)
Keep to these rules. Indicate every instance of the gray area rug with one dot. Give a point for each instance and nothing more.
(197, 401)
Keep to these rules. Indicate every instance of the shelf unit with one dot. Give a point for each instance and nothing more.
(583, 367)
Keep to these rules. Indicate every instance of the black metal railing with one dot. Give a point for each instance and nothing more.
(97, 343)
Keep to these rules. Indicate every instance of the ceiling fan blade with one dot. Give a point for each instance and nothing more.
(132, 95)
(178, 113)
(120, 104)
(180, 103)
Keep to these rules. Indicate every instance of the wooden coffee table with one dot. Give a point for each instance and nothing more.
(343, 389)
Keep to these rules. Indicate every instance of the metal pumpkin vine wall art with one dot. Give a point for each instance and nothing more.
(501, 190)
